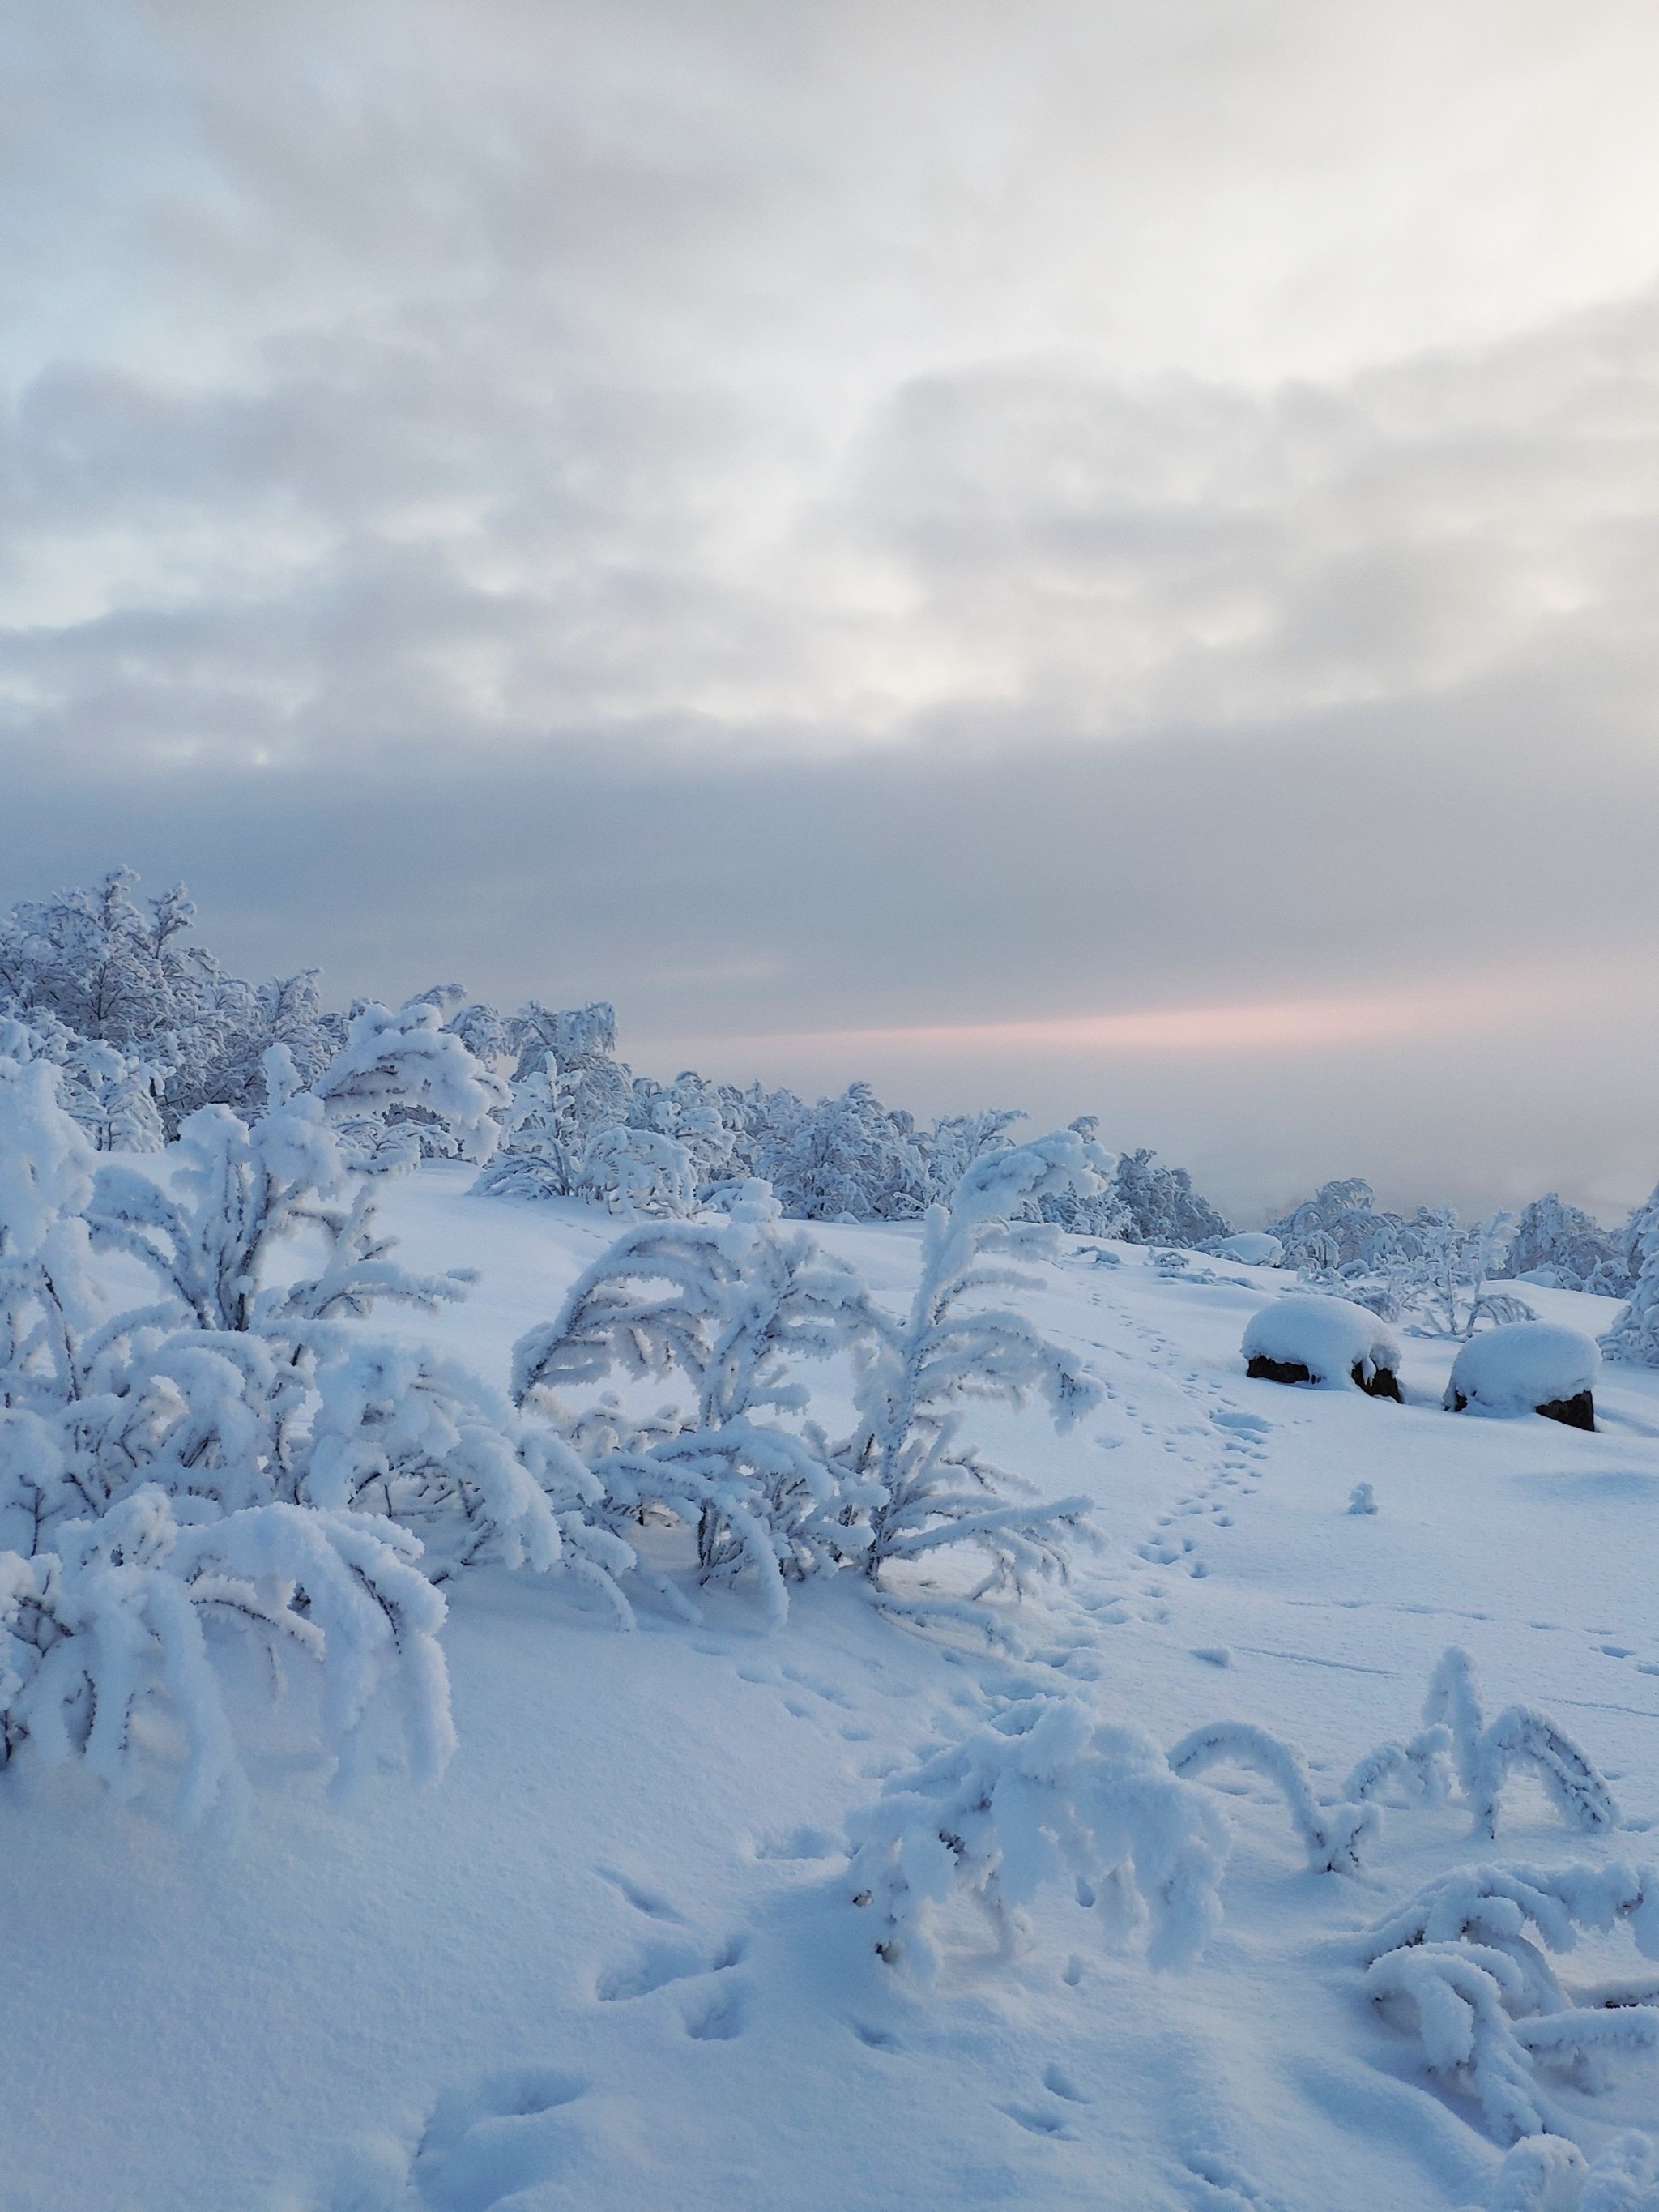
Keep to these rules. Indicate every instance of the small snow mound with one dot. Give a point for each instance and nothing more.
(1252, 1248)
(1521, 1367)
(1334, 1343)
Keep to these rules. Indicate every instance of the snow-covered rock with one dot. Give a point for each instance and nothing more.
(1254, 1247)
(1528, 1367)
(1329, 1342)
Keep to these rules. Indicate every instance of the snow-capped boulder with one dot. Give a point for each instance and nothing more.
(1253, 1248)
(1528, 1367)
(1328, 1342)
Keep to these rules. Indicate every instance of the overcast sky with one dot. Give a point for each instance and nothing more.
(1093, 555)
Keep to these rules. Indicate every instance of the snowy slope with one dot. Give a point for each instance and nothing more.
(608, 1962)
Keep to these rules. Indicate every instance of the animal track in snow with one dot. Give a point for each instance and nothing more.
(1058, 2083)
(720, 2018)
(1036, 2122)
(648, 1901)
(502, 2135)
(660, 1964)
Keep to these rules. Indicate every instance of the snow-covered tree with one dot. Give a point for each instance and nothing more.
(953, 1344)
(111, 1095)
(238, 1451)
(850, 1158)
(707, 1120)
(1443, 1270)
(1339, 1232)
(734, 1307)
(1569, 1248)
(568, 1089)
(1101, 1210)
(1160, 1206)
(1634, 1337)
(956, 1140)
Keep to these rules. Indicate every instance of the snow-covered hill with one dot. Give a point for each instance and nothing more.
(610, 1961)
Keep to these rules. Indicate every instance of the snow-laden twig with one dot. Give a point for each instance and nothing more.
(1421, 1768)
(1520, 1737)
(1331, 1834)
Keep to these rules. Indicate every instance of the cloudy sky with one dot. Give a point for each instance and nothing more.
(1096, 555)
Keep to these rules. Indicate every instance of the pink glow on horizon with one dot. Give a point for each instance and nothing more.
(1273, 1025)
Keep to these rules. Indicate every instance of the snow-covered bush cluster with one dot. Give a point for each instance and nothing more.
(238, 1453)
(1561, 1246)
(146, 1026)
(1041, 1795)
(1465, 1960)
(1431, 1268)
(230, 1455)
(740, 1306)
(1443, 1275)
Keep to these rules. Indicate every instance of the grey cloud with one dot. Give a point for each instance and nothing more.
(715, 900)
(837, 516)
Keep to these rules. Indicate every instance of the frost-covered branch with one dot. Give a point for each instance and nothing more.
(1466, 1956)
(1332, 1835)
(1040, 1795)
(1520, 1737)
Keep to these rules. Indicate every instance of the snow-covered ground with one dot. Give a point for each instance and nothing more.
(610, 1961)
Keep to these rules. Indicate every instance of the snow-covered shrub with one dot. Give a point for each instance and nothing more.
(1562, 1245)
(404, 1069)
(1486, 1756)
(635, 1172)
(1420, 1769)
(1634, 1337)
(1529, 1367)
(114, 1620)
(934, 1488)
(1159, 1206)
(1338, 1233)
(237, 1452)
(1466, 1955)
(848, 1156)
(734, 1306)
(1548, 2173)
(1042, 1794)
(1326, 1341)
(1332, 1835)
(1444, 1271)
(956, 1140)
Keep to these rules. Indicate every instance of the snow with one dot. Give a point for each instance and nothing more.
(1255, 1247)
(610, 1959)
(1526, 1365)
(1330, 1337)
